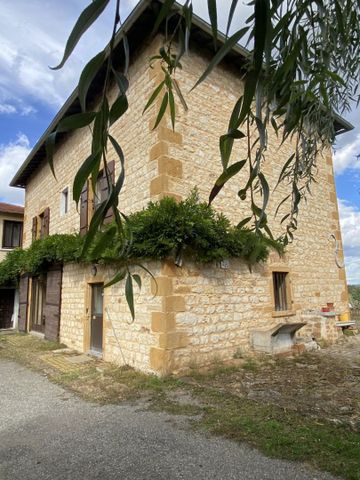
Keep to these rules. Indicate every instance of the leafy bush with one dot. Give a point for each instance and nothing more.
(165, 228)
(161, 230)
(41, 253)
(12, 266)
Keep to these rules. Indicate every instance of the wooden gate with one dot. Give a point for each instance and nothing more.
(52, 306)
(23, 302)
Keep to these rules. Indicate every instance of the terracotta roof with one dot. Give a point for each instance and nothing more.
(9, 208)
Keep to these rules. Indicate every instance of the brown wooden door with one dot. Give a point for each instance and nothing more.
(23, 302)
(38, 295)
(52, 305)
(96, 319)
(6, 307)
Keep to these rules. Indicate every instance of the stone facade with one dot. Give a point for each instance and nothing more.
(199, 313)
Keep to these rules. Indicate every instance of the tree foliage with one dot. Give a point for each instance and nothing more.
(302, 69)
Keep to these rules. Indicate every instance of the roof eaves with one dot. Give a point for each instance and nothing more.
(131, 19)
(343, 124)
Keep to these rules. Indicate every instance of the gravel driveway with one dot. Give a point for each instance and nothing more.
(47, 433)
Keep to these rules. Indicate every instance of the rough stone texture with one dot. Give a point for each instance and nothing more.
(199, 313)
(124, 341)
(319, 327)
(136, 139)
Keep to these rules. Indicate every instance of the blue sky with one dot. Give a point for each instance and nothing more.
(32, 37)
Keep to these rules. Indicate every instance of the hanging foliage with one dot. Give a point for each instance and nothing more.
(302, 69)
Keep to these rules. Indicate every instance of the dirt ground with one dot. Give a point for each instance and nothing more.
(324, 384)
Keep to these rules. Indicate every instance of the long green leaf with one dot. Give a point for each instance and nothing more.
(172, 108)
(262, 12)
(165, 10)
(265, 193)
(231, 15)
(154, 95)
(224, 177)
(121, 178)
(121, 80)
(162, 110)
(127, 54)
(118, 109)
(117, 278)
(137, 279)
(243, 222)
(249, 92)
(92, 162)
(129, 294)
(224, 50)
(226, 143)
(105, 240)
(50, 148)
(87, 76)
(212, 10)
(95, 223)
(85, 20)
(73, 122)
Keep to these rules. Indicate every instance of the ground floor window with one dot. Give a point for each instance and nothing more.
(281, 291)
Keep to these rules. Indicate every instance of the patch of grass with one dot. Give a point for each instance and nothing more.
(251, 365)
(278, 432)
(283, 434)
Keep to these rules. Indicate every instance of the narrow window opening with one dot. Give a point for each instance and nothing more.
(64, 202)
(280, 280)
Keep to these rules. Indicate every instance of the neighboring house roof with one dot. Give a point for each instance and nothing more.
(137, 27)
(9, 208)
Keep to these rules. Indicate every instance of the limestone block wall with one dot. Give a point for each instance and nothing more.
(136, 138)
(124, 341)
(198, 313)
(310, 258)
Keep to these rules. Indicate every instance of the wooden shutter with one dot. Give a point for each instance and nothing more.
(23, 302)
(45, 227)
(34, 228)
(84, 199)
(52, 305)
(109, 217)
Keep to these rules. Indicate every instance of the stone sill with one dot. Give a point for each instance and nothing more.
(283, 313)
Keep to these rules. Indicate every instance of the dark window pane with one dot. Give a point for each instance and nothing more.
(12, 234)
(280, 291)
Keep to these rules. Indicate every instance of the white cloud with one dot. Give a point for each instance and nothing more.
(350, 228)
(12, 156)
(26, 110)
(6, 108)
(347, 156)
(23, 110)
(32, 37)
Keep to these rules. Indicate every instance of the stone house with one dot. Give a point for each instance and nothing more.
(199, 313)
(11, 227)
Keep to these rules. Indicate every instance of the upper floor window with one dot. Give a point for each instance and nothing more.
(64, 201)
(41, 225)
(281, 291)
(101, 189)
(90, 201)
(12, 234)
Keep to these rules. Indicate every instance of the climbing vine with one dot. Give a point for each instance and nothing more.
(164, 229)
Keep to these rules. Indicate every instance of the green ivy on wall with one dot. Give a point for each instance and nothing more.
(162, 230)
